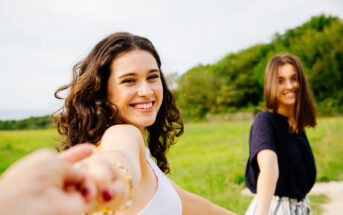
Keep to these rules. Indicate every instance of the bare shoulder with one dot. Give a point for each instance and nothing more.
(122, 135)
(124, 129)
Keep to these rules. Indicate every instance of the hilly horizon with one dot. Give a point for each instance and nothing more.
(235, 83)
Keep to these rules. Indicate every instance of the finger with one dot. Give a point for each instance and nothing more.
(73, 176)
(77, 180)
(120, 190)
(72, 203)
(77, 153)
(102, 175)
(89, 190)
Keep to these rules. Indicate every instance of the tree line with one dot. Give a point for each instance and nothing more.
(29, 123)
(235, 83)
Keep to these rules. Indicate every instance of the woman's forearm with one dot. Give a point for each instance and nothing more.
(115, 167)
(195, 205)
(123, 145)
(266, 184)
(267, 179)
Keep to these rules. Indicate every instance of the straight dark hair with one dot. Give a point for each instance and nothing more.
(304, 108)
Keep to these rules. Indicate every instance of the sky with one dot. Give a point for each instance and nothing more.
(41, 40)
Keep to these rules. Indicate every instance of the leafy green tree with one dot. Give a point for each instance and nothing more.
(236, 81)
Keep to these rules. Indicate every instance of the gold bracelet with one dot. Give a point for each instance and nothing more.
(124, 172)
(102, 212)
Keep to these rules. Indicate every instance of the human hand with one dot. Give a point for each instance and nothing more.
(114, 188)
(45, 183)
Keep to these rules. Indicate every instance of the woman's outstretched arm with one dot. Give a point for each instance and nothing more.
(194, 204)
(124, 145)
(266, 181)
(116, 166)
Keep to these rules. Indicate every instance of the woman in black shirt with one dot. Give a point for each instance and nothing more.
(281, 168)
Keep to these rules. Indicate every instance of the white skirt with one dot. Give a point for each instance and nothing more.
(283, 206)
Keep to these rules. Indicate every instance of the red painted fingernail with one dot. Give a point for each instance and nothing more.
(84, 191)
(106, 195)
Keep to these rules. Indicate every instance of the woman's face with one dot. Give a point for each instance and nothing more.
(135, 87)
(287, 86)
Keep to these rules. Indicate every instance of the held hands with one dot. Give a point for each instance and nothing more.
(46, 183)
(112, 182)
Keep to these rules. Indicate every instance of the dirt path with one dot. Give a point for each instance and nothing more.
(333, 189)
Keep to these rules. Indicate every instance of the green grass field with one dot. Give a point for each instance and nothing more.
(16, 144)
(209, 159)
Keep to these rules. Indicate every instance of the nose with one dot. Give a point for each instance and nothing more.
(144, 90)
(289, 84)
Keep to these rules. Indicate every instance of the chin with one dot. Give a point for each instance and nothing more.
(291, 102)
(146, 123)
(288, 101)
(149, 124)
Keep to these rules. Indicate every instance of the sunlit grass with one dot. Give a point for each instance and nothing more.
(209, 159)
(316, 201)
(16, 144)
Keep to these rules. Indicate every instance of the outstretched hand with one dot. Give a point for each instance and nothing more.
(113, 190)
(46, 183)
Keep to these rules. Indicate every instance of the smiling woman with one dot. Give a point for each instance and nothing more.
(118, 92)
(287, 86)
(136, 87)
(281, 168)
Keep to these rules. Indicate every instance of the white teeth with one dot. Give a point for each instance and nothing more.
(143, 106)
(289, 93)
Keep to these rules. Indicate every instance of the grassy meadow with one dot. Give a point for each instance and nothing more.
(15, 144)
(209, 159)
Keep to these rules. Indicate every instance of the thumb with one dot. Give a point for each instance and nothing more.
(77, 153)
(73, 203)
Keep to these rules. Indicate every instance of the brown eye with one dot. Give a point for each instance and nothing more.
(153, 77)
(128, 80)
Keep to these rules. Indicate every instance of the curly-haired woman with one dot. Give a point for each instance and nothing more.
(118, 99)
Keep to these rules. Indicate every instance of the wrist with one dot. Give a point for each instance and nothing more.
(122, 189)
(127, 178)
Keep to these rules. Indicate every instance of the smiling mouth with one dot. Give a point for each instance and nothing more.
(144, 106)
(290, 94)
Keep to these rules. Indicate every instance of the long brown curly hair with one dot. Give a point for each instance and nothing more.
(87, 112)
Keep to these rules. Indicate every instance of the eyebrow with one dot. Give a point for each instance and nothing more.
(289, 76)
(134, 74)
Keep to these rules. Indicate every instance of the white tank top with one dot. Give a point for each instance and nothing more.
(165, 201)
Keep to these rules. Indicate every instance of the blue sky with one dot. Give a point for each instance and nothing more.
(41, 40)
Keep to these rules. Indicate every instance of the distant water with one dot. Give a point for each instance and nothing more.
(12, 114)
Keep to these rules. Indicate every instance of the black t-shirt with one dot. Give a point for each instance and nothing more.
(297, 169)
